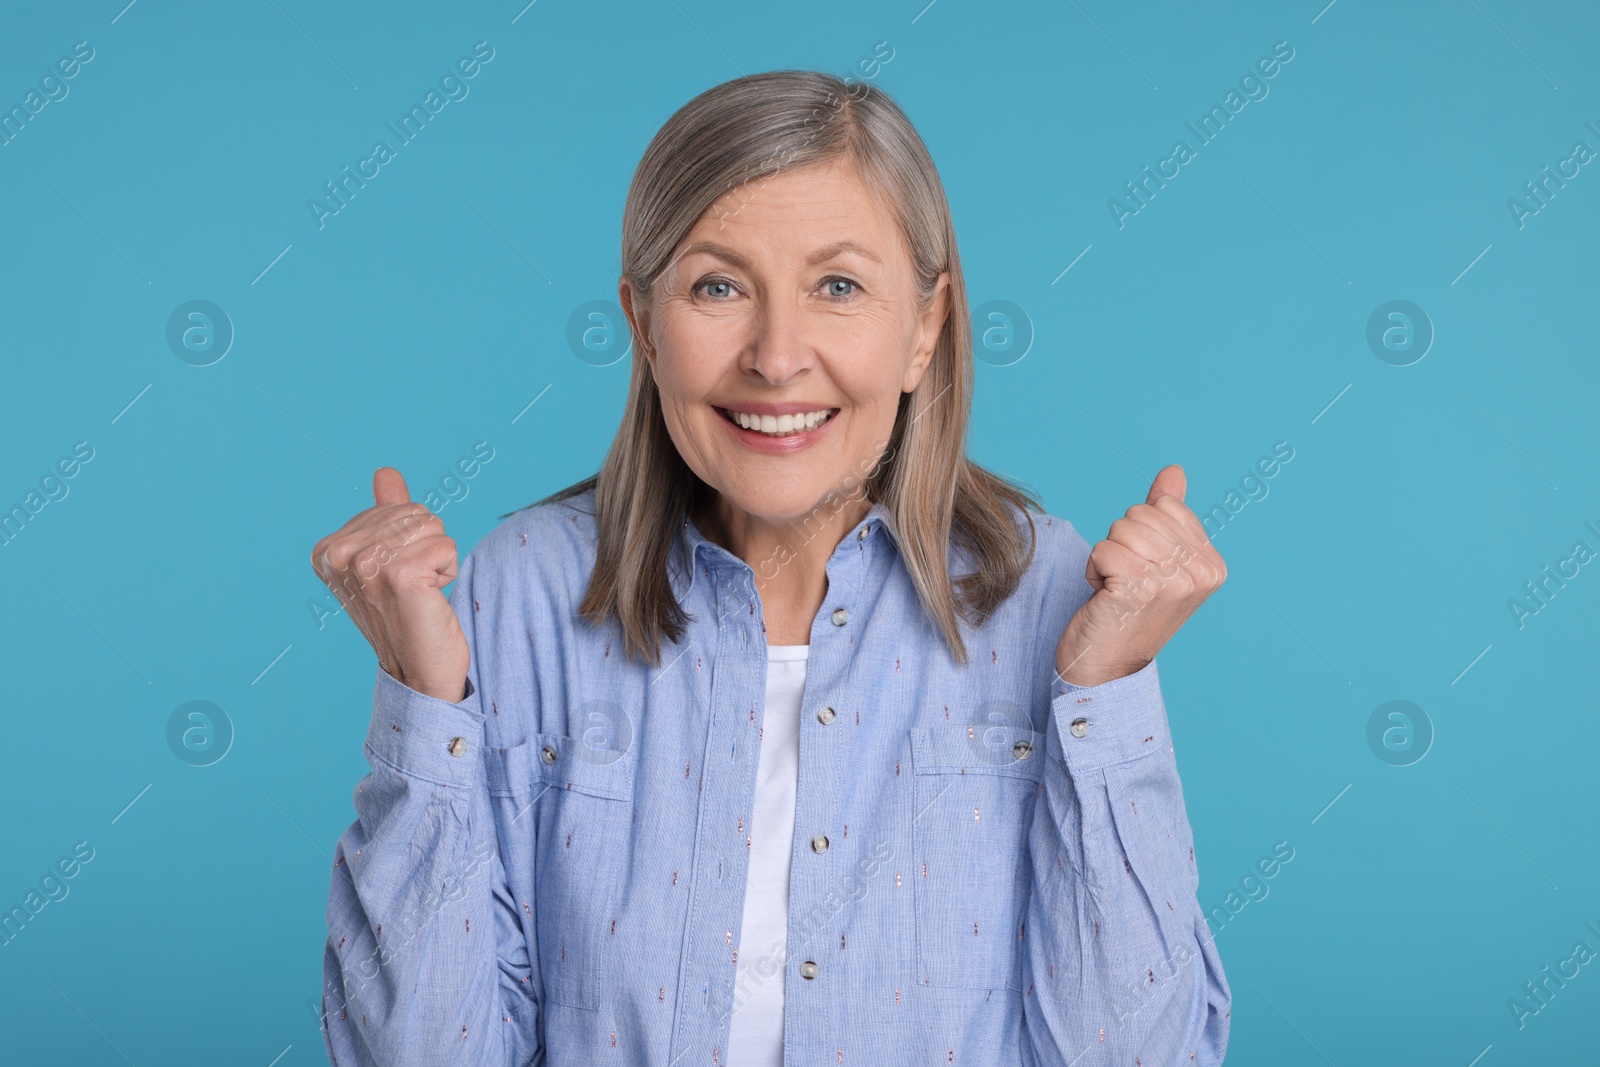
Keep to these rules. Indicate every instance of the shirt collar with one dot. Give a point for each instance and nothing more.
(693, 553)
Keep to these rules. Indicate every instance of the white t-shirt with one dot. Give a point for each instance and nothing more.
(756, 1039)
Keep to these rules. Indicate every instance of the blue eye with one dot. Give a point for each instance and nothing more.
(720, 289)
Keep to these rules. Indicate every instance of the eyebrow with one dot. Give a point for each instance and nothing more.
(823, 254)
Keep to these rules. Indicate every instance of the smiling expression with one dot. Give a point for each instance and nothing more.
(782, 336)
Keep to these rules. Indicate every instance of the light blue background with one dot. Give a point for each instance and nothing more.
(1227, 315)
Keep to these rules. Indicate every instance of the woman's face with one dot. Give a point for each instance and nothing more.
(782, 336)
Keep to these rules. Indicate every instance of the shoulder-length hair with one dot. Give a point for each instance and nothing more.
(729, 136)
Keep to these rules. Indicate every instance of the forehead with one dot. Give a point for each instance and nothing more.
(811, 207)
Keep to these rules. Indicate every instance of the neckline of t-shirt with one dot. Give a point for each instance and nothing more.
(786, 653)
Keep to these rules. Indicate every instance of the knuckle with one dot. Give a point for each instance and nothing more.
(1144, 510)
(413, 512)
(338, 553)
(417, 525)
(1170, 504)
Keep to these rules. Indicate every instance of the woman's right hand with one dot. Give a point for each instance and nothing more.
(388, 566)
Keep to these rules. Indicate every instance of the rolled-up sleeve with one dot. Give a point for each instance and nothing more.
(426, 960)
(1120, 967)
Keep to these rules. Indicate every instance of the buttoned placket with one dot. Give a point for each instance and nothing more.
(810, 998)
(727, 796)
(723, 588)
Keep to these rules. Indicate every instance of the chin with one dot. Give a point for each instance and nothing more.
(774, 503)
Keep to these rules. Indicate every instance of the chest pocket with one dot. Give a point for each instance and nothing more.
(975, 792)
(572, 807)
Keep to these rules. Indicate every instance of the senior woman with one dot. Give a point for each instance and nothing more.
(792, 736)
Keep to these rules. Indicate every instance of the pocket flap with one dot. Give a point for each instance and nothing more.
(970, 748)
(562, 762)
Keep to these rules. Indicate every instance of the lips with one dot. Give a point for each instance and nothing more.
(779, 424)
(748, 425)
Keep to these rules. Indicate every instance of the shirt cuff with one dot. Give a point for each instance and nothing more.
(1094, 726)
(424, 736)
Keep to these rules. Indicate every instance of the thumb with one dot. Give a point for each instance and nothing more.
(389, 487)
(1169, 481)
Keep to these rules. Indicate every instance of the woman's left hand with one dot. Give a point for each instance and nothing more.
(1155, 567)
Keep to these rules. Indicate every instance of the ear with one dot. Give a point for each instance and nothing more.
(930, 323)
(638, 318)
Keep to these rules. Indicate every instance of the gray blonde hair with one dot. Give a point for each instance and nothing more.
(730, 135)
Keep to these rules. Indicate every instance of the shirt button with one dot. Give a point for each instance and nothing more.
(458, 745)
(840, 616)
(825, 716)
(819, 843)
(808, 969)
(547, 754)
(861, 535)
(1022, 749)
(1079, 727)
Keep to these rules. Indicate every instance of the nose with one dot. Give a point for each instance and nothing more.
(781, 347)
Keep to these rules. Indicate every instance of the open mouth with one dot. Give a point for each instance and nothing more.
(777, 426)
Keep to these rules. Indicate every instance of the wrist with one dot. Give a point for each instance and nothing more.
(1085, 675)
(449, 692)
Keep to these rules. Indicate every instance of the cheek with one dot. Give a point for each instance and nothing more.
(684, 416)
(679, 373)
(877, 350)
(872, 387)
(670, 380)
(683, 386)
(692, 355)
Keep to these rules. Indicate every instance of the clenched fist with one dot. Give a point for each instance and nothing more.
(388, 566)
(1152, 571)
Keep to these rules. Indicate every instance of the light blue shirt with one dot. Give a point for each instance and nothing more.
(990, 866)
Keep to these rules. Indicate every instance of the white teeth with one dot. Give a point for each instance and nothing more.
(781, 425)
